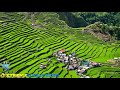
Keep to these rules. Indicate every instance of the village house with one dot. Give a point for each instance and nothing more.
(70, 67)
(43, 66)
(81, 71)
(58, 59)
(95, 64)
(49, 60)
(66, 62)
(115, 58)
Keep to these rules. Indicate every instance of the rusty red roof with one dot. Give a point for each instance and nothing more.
(63, 50)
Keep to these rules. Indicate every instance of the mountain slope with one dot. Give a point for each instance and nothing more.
(26, 46)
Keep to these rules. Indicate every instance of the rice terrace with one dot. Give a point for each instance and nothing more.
(60, 44)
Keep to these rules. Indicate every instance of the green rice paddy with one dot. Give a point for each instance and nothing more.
(25, 48)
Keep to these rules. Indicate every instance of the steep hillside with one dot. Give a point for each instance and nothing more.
(28, 39)
(103, 31)
(72, 20)
(110, 18)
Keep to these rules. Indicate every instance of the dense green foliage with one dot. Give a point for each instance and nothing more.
(26, 46)
(105, 29)
(72, 20)
(110, 18)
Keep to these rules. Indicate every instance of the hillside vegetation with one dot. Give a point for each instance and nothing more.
(30, 38)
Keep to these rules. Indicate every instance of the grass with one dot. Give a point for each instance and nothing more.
(103, 72)
(63, 73)
(21, 43)
(73, 74)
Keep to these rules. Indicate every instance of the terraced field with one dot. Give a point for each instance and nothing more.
(104, 72)
(25, 48)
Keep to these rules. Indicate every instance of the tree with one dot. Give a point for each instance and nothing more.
(31, 15)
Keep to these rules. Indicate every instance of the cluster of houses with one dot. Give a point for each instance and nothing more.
(73, 63)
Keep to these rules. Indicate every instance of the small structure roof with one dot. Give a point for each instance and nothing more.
(63, 50)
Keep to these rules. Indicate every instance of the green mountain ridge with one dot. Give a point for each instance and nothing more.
(28, 39)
